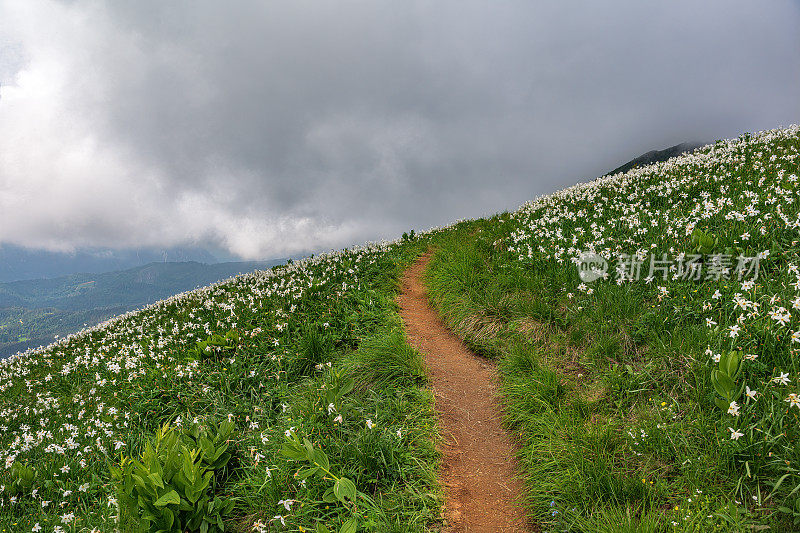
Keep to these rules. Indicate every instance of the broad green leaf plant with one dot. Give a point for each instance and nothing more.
(170, 488)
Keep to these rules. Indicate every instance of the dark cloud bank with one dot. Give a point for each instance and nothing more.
(268, 128)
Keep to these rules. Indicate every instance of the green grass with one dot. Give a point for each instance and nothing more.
(608, 386)
(72, 410)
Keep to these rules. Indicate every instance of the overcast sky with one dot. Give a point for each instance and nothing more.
(268, 128)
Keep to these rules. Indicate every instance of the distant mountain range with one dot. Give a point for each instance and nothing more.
(19, 263)
(655, 156)
(34, 312)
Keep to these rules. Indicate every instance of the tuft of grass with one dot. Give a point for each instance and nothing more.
(386, 361)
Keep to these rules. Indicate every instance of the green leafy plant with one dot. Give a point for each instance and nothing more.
(724, 379)
(339, 387)
(214, 346)
(343, 490)
(169, 488)
(703, 242)
(22, 477)
(213, 441)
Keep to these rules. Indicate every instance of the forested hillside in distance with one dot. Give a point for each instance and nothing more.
(35, 312)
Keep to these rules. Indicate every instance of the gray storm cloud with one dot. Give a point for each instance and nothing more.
(269, 128)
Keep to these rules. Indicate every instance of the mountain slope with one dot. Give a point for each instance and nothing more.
(19, 263)
(309, 350)
(660, 391)
(131, 287)
(657, 394)
(655, 156)
(34, 312)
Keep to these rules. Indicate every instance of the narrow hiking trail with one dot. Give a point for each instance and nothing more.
(478, 467)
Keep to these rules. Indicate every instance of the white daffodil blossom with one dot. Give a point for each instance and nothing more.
(782, 378)
(793, 400)
(287, 504)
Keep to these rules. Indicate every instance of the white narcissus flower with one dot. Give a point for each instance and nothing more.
(370, 424)
(783, 378)
(287, 504)
(793, 400)
(750, 393)
(733, 409)
(735, 434)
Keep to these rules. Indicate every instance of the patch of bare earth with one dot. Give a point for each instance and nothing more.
(482, 493)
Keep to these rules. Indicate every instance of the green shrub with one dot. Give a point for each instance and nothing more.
(214, 346)
(23, 477)
(171, 487)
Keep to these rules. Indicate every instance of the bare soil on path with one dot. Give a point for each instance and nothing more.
(478, 469)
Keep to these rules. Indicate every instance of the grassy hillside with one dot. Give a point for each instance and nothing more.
(312, 350)
(662, 401)
(661, 396)
(34, 312)
(23, 329)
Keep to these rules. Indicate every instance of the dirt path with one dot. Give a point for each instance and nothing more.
(478, 464)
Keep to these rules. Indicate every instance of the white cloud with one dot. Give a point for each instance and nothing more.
(276, 128)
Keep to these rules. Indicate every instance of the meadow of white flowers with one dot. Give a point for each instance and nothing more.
(743, 195)
(70, 409)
